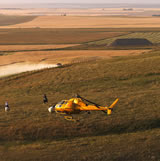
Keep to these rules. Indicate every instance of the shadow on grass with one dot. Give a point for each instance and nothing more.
(133, 127)
(62, 131)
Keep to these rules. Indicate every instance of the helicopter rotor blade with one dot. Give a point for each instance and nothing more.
(97, 105)
(78, 96)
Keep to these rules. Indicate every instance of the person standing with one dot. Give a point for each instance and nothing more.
(7, 108)
(45, 99)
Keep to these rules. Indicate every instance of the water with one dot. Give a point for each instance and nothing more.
(19, 68)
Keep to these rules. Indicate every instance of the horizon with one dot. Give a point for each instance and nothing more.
(71, 5)
(144, 3)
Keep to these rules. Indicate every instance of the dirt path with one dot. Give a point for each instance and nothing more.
(53, 57)
(36, 60)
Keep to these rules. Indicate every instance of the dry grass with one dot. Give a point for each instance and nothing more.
(6, 20)
(53, 36)
(69, 11)
(63, 56)
(89, 22)
(33, 47)
(131, 146)
(154, 37)
(131, 133)
(81, 12)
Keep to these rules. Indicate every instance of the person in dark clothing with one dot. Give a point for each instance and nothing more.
(6, 104)
(45, 99)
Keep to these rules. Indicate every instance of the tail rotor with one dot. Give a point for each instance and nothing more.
(110, 108)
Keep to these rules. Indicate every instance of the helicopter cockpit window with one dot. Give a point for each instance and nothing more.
(62, 102)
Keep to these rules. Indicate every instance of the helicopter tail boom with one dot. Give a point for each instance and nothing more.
(110, 108)
(106, 109)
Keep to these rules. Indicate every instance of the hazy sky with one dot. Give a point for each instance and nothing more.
(80, 1)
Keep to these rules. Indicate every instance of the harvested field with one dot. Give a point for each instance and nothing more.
(53, 57)
(96, 11)
(153, 37)
(53, 36)
(6, 20)
(89, 22)
(68, 11)
(33, 47)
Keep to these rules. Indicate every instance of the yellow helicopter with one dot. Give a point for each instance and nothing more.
(76, 105)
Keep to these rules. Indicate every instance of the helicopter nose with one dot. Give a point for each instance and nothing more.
(51, 109)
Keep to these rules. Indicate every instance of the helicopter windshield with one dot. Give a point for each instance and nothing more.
(62, 102)
(59, 104)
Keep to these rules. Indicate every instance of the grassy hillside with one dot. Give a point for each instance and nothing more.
(29, 132)
(154, 37)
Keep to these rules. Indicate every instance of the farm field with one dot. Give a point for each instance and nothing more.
(64, 57)
(154, 37)
(6, 20)
(29, 132)
(97, 11)
(14, 48)
(73, 36)
(70, 39)
(88, 22)
(53, 36)
(68, 11)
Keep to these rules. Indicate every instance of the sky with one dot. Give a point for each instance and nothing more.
(81, 1)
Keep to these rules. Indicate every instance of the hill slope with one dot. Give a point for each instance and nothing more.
(131, 133)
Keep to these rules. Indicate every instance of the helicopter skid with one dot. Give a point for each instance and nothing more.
(70, 118)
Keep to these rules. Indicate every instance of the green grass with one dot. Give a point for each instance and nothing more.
(130, 133)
